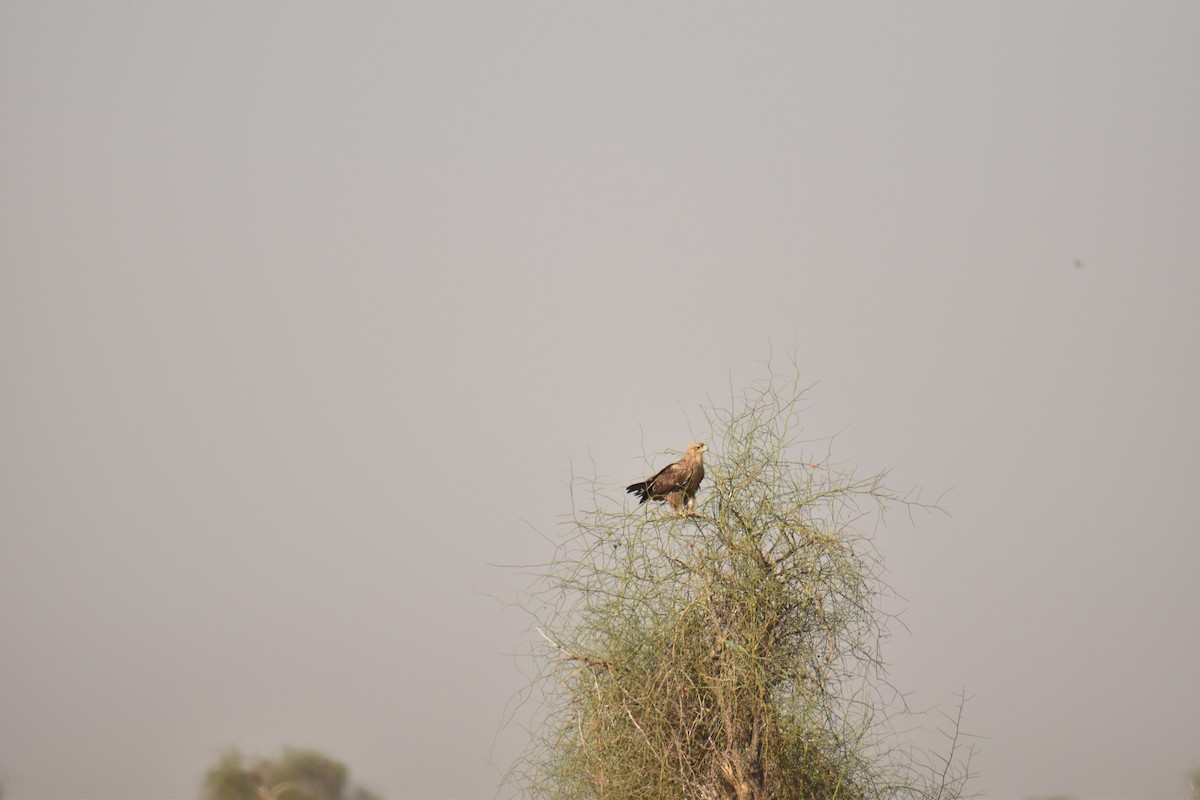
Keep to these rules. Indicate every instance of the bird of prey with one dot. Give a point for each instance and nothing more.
(676, 484)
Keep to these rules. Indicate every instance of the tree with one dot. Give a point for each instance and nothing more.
(296, 775)
(729, 654)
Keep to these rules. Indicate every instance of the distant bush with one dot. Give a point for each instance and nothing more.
(296, 775)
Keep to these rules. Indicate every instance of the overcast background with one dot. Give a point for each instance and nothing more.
(306, 310)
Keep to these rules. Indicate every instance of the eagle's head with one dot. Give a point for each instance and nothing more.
(696, 448)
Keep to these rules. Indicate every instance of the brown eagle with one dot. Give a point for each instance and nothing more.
(676, 483)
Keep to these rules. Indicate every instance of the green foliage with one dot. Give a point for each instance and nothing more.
(730, 654)
(296, 775)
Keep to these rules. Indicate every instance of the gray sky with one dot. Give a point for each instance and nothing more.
(305, 308)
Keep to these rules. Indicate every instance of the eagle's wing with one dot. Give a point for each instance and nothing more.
(667, 480)
(674, 483)
(671, 478)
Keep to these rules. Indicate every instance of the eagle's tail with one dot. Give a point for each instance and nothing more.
(641, 489)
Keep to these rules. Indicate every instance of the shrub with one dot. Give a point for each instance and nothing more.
(729, 654)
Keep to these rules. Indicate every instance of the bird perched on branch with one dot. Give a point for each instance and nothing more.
(677, 483)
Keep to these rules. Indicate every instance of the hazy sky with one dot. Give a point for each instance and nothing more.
(306, 311)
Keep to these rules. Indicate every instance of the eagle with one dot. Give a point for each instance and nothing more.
(677, 483)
